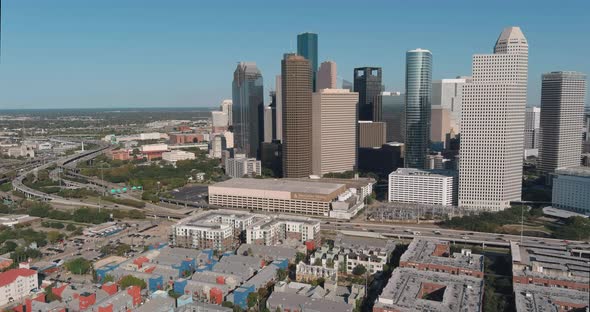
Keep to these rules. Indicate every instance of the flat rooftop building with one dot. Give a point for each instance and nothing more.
(533, 298)
(435, 255)
(276, 195)
(550, 266)
(414, 290)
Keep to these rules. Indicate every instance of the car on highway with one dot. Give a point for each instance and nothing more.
(465, 237)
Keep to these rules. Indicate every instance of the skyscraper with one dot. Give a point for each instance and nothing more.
(247, 108)
(440, 125)
(297, 121)
(334, 130)
(307, 46)
(393, 106)
(226, 107)
(562, 118)
(418, 105)
(492, 125)
(278, 109)
(367, 82)
(448, 93)
(326, 76)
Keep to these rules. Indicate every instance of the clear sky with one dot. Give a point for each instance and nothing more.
(131, 53)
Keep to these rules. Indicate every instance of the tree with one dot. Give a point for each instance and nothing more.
(330, 263)
(78, 266)
(50, 295)
(70, 227)
(319, 282)
(317, 262)
(299, 257)
(131, 280)
(108, 278)
(227, 304)
(252, 299)
(575, 228)
(359, 270)
(54, 236)
(281, 274)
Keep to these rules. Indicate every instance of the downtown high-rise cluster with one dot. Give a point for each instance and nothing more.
(473, 126)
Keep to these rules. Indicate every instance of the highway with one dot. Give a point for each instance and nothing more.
(400, 231)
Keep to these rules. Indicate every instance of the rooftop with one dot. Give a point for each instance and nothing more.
(293, 301)
(533, 298)
(433, 251)
(420, 172)
(285, 185)
(574, 171)
(406, 290)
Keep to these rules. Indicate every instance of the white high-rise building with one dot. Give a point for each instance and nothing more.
(429, 187)
(226, 107)
(240, 166)
(532, 132)
(492, 125)
(448, 93)
(562, 120)
(334, 130)
(219, 119)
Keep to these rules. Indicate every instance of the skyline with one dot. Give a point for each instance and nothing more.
(149, 54)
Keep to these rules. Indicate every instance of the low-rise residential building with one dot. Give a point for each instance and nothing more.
(300, 297)
(430, 187)
(373, 254)
(549, 266)
(267, 253)
(174, 156)
(120, 154)
(571, 189)
(215, 229)
(534, 298)
(183, 138)
(280, 229)
(15, 284)
(435, 255)
(410, 289)
(240, 166)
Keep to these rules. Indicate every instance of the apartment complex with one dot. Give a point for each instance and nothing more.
(273, 231)
(492, 125)
(430, 187)
(334, 131)
(16, 284)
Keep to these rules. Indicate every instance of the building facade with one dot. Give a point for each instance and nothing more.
(492, 125)
(367, 82)
(326, 76)
(240, 166)
(562, 119)
(571, 189)
(371, 134)
(429, 187)
(418, 105)
(276, 230)
(334, 130)
(297, 118)
(247, 108)
(440, 125)
(307, 46)
(226, 107)
(532, 126)
(448, 93)
(16, 284)
(393, 105)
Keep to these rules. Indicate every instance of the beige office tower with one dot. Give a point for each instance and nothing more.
(326, 76)
(448, 93)
(371, 133)
(562, 120)
(440, 124)
(296, 89)
(492, 125)
(334, 130)
(278, 108)
(226, 107)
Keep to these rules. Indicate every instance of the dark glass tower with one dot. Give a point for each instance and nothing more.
(248, 109)
(418, 105)
(367, 82)
(307, 46)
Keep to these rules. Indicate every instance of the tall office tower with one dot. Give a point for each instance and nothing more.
(492, 125)
(418, 105)
(448, 93)
(440, 125)
(278, 109)
(226, 107)
(247, 110)
(393, 105)
(562, 117)
(269, 113)
(334, 130)
(367, 82)
(297, 121)
(307, 46)
(347, 85)
(371, 133)
(532, 125)
(327, 76)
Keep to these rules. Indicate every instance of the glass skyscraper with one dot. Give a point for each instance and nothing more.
(248, 108)
(307, 46)
(367, 82)
(418, 105)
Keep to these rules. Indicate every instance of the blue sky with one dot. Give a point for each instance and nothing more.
(131, 53)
